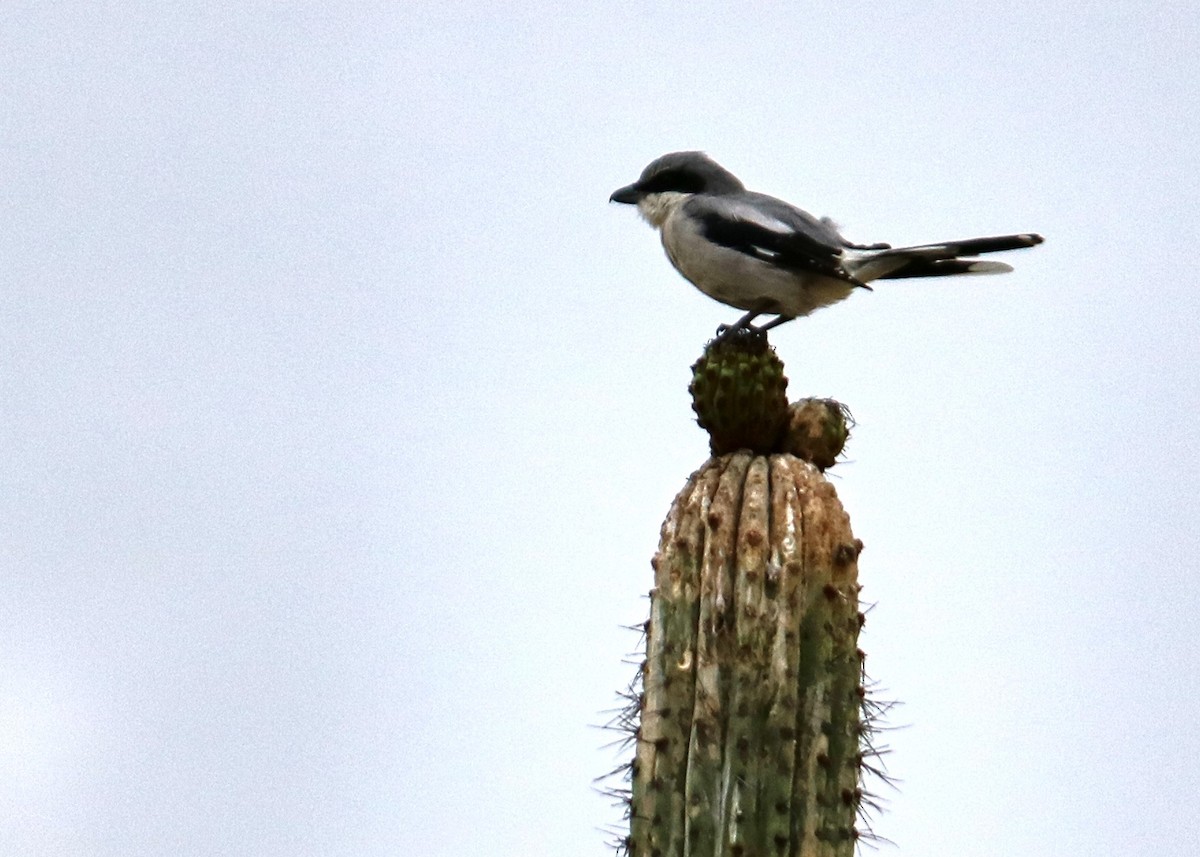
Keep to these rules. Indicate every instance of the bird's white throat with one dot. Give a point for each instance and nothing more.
(657, 207)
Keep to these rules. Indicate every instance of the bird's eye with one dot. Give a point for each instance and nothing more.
(680, 181)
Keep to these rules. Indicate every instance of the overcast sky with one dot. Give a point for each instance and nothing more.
(340, 411)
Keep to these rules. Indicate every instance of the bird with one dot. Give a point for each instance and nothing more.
(762, 255)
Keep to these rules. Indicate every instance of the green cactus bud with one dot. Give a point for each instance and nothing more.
(739, 394)
(752, 686)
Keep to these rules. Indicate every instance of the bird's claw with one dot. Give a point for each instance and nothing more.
(727, 332)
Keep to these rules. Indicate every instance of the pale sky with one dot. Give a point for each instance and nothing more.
(341, 410)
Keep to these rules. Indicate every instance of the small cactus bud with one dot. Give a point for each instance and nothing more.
(817, 430)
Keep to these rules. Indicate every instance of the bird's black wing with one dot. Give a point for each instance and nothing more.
(771, 230)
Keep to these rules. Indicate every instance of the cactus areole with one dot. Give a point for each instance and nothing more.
(751, 735)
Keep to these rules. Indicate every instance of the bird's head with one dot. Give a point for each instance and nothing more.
(668, 181)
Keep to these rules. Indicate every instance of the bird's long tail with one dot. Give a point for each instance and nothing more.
(936, 260)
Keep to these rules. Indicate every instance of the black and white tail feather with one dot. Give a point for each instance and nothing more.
(762, 255)
(948, 258)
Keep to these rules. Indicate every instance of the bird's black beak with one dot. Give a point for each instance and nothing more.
(628, 195)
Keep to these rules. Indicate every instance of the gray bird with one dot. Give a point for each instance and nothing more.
(760, 254)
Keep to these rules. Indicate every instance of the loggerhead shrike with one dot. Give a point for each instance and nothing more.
(759, 254)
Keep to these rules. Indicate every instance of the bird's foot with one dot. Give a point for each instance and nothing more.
(739, 330)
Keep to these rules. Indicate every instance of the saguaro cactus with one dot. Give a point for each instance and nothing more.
(749, 739)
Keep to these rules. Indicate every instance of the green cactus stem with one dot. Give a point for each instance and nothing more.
(752, 684)
(750, 729)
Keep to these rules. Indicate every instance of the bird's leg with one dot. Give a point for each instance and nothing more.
(775, 322)
(727, 330)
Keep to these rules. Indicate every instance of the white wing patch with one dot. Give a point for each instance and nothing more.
(989, 268)
(750, 214)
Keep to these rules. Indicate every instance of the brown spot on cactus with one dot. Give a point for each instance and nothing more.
(845, 554)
